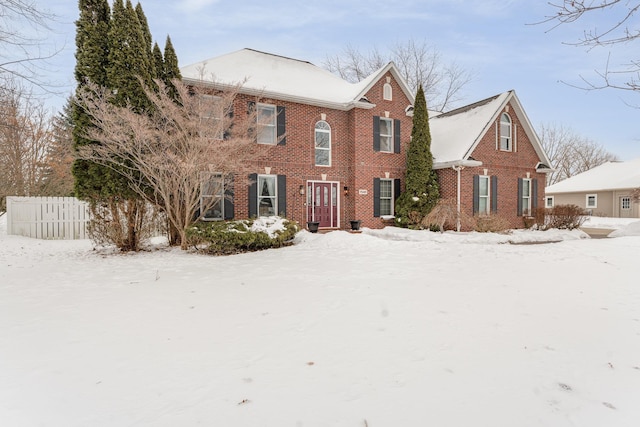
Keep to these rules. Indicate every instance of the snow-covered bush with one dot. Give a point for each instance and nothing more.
(232, 237)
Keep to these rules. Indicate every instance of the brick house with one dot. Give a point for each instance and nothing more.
(335, 151)
(490, 159)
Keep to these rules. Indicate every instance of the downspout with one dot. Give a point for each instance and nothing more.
(458, 169)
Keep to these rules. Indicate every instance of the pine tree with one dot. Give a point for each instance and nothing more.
(171, 69)
(158, 62)
(92, 50)
(129, 59)
(148, 40)
(421, 185)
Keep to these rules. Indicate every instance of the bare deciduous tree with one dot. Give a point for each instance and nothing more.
(418, 62)
(21, 41)
(617, 19)
(170, 154)
(25, 136)
(569, 152)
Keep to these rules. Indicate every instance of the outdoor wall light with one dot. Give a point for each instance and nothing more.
(302, 190)
(346, 190)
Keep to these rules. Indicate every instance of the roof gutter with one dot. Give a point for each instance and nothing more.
(457, 163)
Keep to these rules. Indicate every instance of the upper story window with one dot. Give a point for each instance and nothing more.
(211, 123)
(506, 140)
(267, 122)
(386, 135)
(323, 143)
(387, 92)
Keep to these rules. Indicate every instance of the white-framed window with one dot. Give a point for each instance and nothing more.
(386, 135)
(548, 202)
(505, 133)
(266, 116)
(591, 201)
(386, 197)
(484, 196)
(211, 196)
(625, 203)
(526, 197)
(323, 143)
(387, 92)
(211, 124)
(267, 195)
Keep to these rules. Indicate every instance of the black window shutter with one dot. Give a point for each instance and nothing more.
(376, 133)
(253, 195)
(476, 194)
(396, 136)
(494, 194)
(520, 188)
(534, 193)
(376, 197)
(251, 109)
(282, 120)
(228, 199)
(227, 131)
(282, 195)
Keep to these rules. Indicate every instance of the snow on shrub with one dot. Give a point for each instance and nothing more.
(232, 237)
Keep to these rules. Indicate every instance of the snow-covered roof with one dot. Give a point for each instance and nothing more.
(455, 134)
(279, 77)
(606, 177)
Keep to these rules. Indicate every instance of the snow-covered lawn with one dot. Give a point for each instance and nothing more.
(379, 329)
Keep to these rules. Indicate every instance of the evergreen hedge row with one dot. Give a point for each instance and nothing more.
(233, 237)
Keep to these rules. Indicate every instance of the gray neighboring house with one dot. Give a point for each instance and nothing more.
(604, 190)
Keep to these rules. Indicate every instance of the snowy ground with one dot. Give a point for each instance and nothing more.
(383, 328)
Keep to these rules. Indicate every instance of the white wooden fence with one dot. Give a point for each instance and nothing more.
(47, 217)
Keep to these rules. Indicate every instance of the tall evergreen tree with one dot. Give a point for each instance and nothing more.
(129, 59)
(148, 40)
(92, 51)
(58, 178)
(171, 70)
(158, 62)
(421, 185)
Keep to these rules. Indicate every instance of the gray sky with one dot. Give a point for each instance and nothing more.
(492, 39)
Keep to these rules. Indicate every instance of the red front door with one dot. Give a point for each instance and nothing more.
(323, 206)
